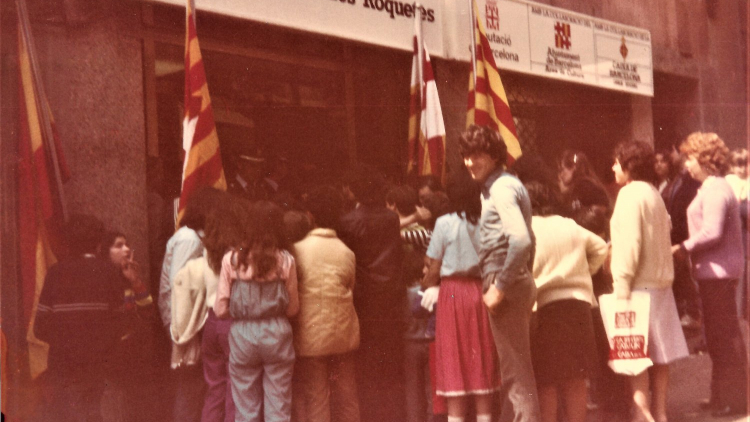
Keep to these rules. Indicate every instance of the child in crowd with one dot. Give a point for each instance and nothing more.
(562, 333)
(403, 201)
(80, 317)
(134, 346)
(326, 331)
(196, 330)
(258, 289)
(466, 361)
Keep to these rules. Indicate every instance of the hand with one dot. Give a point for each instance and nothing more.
(622, 293)
(493, 298)
(430, 298)
(423, 214)
(130, 269)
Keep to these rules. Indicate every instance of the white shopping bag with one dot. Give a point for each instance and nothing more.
(626, 323)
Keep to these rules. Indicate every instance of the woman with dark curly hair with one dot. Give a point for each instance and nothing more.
(715, 249)
(641, 261)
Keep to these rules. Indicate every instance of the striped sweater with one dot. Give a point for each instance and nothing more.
(80, 312)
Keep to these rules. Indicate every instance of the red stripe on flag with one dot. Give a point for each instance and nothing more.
(207, 174)
(204, 126)
(197, 77)
(502, 111)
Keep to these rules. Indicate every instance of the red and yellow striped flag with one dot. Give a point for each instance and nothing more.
(202, 166)
(40, 202)
(488, 104)
(426, 128)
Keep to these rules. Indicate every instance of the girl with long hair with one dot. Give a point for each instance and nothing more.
(258, 289)
(465, 360)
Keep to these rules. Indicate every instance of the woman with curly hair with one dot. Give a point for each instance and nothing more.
(258, 289)
(715, 250)
(641, 261)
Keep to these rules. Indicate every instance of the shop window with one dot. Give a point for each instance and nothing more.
(261, 107)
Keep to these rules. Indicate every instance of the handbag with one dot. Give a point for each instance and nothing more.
(626, 323)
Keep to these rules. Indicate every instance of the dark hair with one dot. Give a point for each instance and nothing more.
(545, 199)
(438, 205)
(326, 205)
(739, 157)
(108, 240)
(464, 195)
(368, 186)
(579, 163)
(198, 206)
(667, 154)
(479, 139)
(405, 199)
(297, 224)
(225, 227)
(265, 236)
(83, 233)
(531, 167)
(711, 152)
(428, 181)
(637, 158)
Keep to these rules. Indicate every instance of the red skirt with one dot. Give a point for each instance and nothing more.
(465, 356)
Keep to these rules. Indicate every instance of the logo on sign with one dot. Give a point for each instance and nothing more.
(624, 49)
(492, 15)
(562, 35)
(625, 319)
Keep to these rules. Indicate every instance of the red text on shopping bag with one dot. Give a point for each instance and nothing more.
(628, 347)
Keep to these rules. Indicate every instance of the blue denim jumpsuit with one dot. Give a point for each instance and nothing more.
(261, 357)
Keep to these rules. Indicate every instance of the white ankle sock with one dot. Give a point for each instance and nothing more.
(484, 418)
(456, 419)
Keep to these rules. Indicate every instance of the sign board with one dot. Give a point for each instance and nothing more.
(525, 36)
(389, 23)
(555, 43)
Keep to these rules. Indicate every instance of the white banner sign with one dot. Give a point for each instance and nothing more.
(547, 41)
(525, 36)
(389, 23)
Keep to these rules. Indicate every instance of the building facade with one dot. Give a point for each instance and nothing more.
(114, 76)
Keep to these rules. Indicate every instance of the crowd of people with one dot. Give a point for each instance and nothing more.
(368, 301)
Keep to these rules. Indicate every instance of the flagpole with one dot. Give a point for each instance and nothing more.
(42, 104)
(473, 44)
(420, 55)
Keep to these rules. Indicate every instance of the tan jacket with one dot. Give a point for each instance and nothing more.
(327, 323)
(190, 310)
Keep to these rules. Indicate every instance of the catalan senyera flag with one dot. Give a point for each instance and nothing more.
(40, 202)
(202, 166)
(488, 104)
(426, 128)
